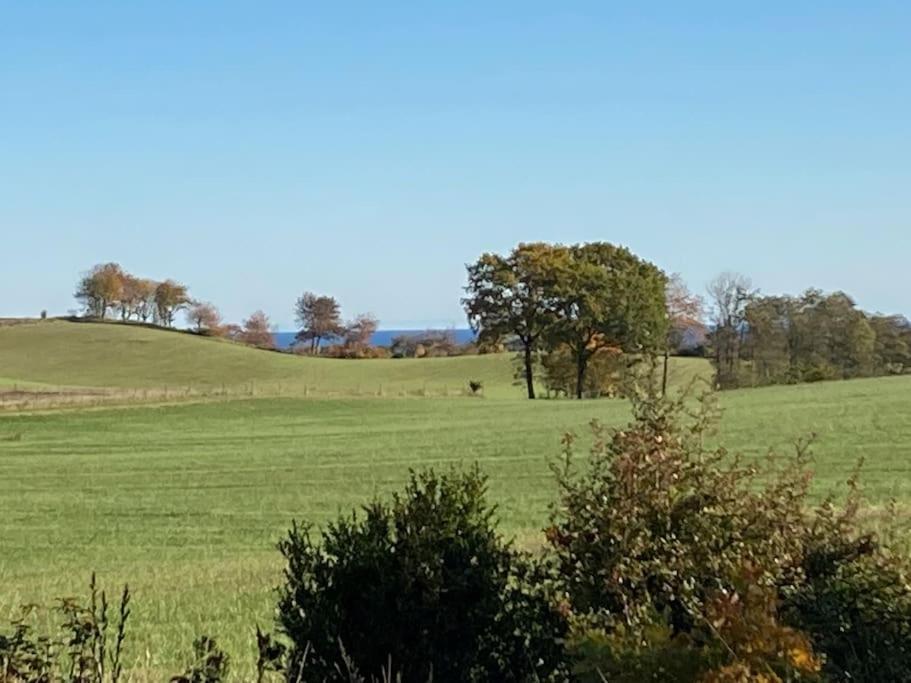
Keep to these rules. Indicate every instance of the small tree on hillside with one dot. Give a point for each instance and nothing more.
(101, 289)
(205, 317)
(143, 291)
(129, 295)
(257, 331)
(170, 298)
(359, 332)
(320, 319)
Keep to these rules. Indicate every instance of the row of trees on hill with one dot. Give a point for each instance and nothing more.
(256, 330)
(108, 289)
(578, 301)
(758, 340)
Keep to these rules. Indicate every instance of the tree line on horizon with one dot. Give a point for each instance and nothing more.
(576, 314)
(759, 340)
(581, 313)
(109, 291)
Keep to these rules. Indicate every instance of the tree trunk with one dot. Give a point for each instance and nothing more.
(581, 363)
(529, 372)
(667, 355)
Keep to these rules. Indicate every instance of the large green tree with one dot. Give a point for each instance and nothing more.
(606, 296)
(834, 338)
(513, 297)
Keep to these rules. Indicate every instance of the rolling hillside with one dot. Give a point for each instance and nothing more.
(91, 355)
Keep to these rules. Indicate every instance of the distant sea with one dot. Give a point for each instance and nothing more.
(283, 340)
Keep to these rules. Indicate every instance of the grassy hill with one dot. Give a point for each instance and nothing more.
(71, 354)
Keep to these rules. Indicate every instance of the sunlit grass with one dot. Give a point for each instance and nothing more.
(186, 502)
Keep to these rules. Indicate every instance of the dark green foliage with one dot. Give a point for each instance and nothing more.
(859, 614)
(429, 344)
(270, 654)
(584, 298)
(87, 646)
(512, 298)
(424, 582)
(852, 596)
(607, 298)
(618, 656)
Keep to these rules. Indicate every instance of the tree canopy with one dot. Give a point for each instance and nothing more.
(585, 297)
(513, 296)
(319, 318)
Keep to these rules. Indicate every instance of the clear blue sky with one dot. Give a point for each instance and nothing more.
(368, 150)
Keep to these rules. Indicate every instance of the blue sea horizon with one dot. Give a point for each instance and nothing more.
(284, 340)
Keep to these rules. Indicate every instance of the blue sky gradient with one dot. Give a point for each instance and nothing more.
(369, 150)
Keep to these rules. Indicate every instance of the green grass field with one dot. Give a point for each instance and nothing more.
(187, 501)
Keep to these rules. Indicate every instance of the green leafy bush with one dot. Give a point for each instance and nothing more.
(655, 523)
(654, 535)
(852, 595)
(424, 583)
(681, 562)
(860, 616)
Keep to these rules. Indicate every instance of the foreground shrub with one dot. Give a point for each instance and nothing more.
(681, 562)
(744, 641)
(425, 583)
(854, 600)
(658, 524)
(209, 664)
